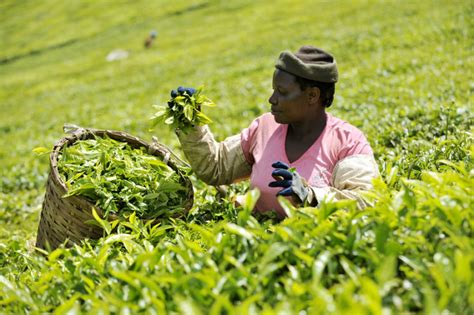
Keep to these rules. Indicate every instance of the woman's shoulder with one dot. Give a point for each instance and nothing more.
(267, 118)
(258, 134)
(343, 128)
(265, 122)
(348, 139)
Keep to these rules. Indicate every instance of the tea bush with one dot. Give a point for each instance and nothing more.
(405, 81)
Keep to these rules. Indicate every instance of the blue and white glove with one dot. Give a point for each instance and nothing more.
(182, 90)
(291, 182)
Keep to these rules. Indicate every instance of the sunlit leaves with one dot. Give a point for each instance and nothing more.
(410, 253)
(183, 111)
(120, 179)
(342, 260)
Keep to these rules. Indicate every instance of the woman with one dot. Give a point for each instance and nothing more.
(332, 158)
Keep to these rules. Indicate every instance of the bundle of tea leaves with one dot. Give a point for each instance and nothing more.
(120, 179)
(183, 110)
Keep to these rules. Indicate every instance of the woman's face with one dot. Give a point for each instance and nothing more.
(289, 103)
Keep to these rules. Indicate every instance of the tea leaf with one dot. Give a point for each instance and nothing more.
(121, 180)
(183, 111)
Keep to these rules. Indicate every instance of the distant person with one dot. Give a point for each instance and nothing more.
(297, 149)
(150, 39)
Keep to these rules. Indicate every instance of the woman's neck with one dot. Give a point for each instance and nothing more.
(310, 128)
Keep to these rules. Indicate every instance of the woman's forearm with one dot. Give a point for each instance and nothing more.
(215, 163)
(351, 176)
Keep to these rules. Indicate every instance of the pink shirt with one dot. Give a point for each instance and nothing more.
(263, 144)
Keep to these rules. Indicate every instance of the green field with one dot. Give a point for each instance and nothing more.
(406, 80)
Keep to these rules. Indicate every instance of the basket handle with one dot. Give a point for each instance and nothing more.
(156, 143)
(73, 129)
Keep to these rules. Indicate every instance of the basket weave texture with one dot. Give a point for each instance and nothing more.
(64, 220)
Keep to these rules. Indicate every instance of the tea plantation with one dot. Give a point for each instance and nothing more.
(406, 80)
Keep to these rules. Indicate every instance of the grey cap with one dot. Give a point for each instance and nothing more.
(310, 63)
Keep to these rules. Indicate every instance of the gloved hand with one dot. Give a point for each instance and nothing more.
(291, 182)
(181, 90)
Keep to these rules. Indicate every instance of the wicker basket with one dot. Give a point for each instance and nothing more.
(64, 219)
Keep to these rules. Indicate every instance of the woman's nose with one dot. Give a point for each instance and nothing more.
(272, 99)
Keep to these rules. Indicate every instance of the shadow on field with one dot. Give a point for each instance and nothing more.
(190, 8)
(10, 59)
(37, 51)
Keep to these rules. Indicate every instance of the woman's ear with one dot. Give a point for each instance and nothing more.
(314, 94)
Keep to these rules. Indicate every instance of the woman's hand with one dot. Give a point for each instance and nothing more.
(182, 90)
(292, 183)
(183, 110)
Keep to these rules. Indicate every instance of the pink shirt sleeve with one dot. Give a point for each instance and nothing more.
(247, 140)
(355, 143)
